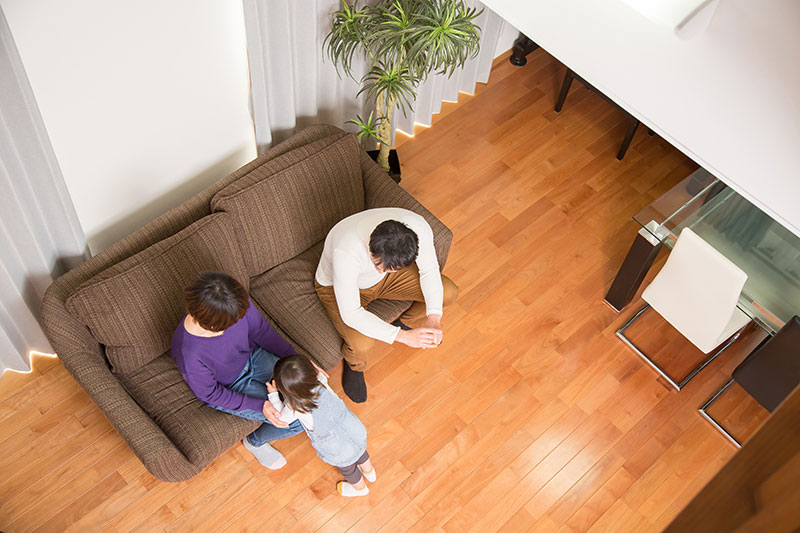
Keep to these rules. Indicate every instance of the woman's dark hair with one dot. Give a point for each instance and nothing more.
(215, 300)
(296, 379)
(395, 244)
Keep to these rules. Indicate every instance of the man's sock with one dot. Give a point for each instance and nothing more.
(399, 323)
(353, 384)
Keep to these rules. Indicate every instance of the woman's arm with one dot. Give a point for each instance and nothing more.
(260, 332)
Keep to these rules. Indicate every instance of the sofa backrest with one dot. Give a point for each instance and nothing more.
(134, 306)
(289, 203)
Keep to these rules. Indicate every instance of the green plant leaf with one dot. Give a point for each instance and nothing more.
(349, 28)
(444, 38)
(368, 128)
(394, 81)
(405, 40)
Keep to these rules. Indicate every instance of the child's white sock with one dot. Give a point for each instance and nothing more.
(348, 490)
(369, 476)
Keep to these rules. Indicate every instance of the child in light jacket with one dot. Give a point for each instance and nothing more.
(337, 435)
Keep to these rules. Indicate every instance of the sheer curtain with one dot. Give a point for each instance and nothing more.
(40, 236)
(294, 85)
(440, 88)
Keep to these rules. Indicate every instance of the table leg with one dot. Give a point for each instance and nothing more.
(633, 123)
(522, 47)
(634, 268)
(565, 85)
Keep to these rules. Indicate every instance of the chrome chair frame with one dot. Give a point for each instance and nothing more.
(677, 385)
(704, 413)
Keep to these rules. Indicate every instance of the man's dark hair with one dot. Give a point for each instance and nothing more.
(395, 244)
(296, 379)
(215, 300)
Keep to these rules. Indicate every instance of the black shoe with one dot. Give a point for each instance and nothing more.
(400, 325)
(353, 384)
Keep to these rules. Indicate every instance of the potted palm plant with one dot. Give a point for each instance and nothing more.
(403, 41)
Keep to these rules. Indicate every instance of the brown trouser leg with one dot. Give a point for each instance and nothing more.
(401, 285)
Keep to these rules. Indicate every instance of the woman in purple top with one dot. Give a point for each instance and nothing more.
(226, 353)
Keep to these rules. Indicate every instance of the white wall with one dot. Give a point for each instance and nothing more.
(145, 102)
(729, 97)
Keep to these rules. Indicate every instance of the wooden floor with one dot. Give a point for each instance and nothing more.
(530, 416)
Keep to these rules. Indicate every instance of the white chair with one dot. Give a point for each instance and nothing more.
(696, 291)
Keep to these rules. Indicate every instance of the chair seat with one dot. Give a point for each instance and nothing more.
(697, 291)
(737, 322)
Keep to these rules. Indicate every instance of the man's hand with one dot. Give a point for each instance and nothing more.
(273, 416)
(435, 322)
(420, 337)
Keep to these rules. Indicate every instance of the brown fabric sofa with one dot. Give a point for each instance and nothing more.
(111, 319)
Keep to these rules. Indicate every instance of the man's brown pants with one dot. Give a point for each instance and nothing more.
(400, 285)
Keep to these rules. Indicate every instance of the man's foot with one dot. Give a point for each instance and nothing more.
(399, 323)
(353, 384)
(346, 489)
(266, 455)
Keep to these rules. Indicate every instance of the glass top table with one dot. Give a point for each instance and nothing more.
(765, 250)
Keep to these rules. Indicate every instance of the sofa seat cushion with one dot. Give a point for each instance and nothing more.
(286, 293)
(134, 306)
(200, 432)
(278, 215)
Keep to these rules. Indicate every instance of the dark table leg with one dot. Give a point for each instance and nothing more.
(522, 47)
(634, 268)
(565, 85)
(633, 123)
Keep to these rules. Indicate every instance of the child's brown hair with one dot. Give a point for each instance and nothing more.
(296, 379)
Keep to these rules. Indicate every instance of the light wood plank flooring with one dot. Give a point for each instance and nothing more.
(530, 416)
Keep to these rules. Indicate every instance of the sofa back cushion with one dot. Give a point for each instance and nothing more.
(279, 214)
(134, 306)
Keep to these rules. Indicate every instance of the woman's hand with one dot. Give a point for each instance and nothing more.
(273, 416)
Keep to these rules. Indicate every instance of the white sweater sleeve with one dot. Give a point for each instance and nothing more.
(286, 413)
(430, 279)
(348, 299)
(289, 415)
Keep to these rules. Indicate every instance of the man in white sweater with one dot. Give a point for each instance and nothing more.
(381, 253)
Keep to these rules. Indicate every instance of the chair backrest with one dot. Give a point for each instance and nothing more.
(696, 290)
(772, 372)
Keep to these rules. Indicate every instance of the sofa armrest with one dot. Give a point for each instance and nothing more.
(153, 448)
(381, 191)
(83, 358)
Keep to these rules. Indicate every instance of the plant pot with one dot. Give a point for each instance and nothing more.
(394, 163)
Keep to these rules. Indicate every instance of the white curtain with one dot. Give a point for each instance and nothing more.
(439, 88)
(292, 87)
(294, 84)
(40, 236)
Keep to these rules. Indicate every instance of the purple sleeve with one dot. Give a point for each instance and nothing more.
(204, 385)
(260, 332)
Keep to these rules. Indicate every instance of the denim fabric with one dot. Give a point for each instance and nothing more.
(252, 382)
(338, 437)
